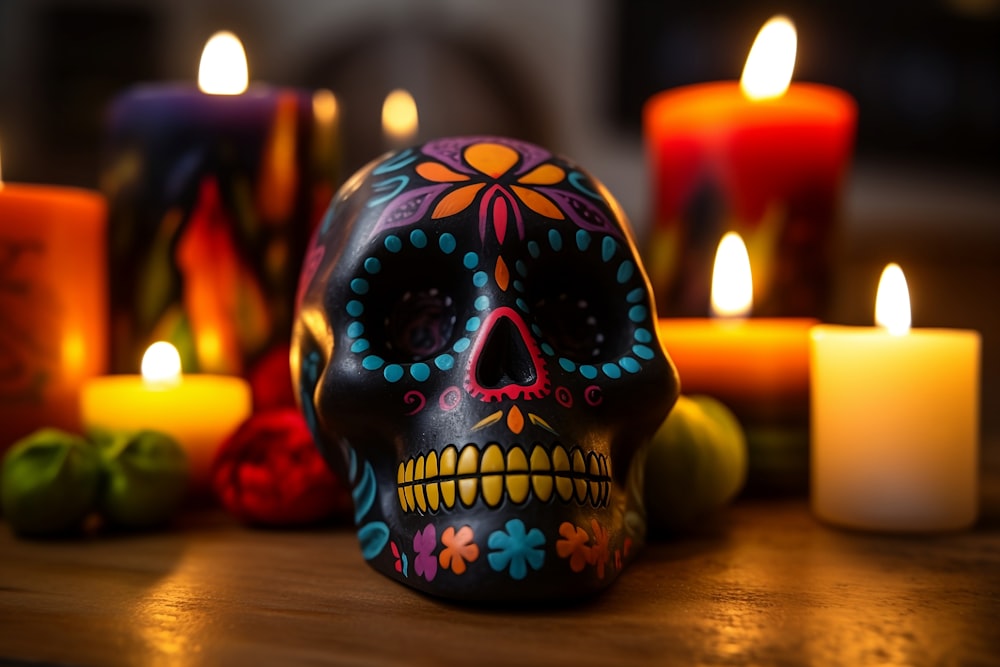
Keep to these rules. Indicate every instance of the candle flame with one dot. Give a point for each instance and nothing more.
(892, 301)
(324, 104)
(768, 69)
(732, 282)
(161, 364)
(399, 117)
(223, 69)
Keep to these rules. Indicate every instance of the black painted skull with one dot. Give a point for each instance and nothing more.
(476, 352)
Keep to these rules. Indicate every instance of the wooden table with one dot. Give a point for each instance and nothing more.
(765, 584)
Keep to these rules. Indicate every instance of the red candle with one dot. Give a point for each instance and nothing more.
(758, 367)
(53, 304)
(765, 160)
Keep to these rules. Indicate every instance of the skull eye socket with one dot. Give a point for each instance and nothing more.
(572, 325)
(420, 324)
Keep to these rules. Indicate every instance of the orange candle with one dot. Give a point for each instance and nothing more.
(762, 157)
(53, 304)
(759, 367)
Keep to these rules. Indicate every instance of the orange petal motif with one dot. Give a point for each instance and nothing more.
(538, 203)
(456, 201)
(573, 545)
(515, 420)
(493, 160)
(434, 171)
(546, 174)
(502, 274)
(459, 549)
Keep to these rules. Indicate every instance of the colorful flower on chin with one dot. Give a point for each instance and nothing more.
(574, 546)
(401, 564)
(516, 549)
(600, 550)
(425, 562)
(459, 549)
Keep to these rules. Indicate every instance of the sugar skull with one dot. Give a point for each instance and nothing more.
(475, 351)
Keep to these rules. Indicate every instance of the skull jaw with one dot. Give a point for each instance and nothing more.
(540, 553)
(556, 550)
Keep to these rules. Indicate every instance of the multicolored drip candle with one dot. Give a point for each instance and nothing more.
(765, 158)
(213, 197)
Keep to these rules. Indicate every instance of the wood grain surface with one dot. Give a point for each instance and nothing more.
(763, 584)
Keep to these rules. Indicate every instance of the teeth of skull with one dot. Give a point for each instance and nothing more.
(517, 485)
(541, 483)
(492, 470)
(432, 482)
(449, 462)
(418, 488)
(564, 484)
(468, 484)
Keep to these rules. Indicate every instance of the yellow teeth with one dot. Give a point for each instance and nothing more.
(463, 477)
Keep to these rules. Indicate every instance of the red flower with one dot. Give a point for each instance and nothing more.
(271, 381)
(270, 472)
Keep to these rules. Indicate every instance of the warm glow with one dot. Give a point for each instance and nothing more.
(74, 352)
(769, 66)
(399, 117)
(732, 283)
(209, 346)
(892, 302)
(1, 175)
(161, 364)
(223, 69)
(324, 106)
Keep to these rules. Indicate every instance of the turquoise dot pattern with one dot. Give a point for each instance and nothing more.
(609, 248)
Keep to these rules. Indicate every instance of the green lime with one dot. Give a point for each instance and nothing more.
(145, 478)
(696, 463)
(49, 483)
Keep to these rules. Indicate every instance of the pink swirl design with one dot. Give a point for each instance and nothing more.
(416, 399)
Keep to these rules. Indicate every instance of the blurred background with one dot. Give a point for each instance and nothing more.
(924, 188)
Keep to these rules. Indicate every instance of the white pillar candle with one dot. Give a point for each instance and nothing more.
(895, 423)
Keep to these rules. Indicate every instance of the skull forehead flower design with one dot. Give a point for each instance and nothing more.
(475, 350)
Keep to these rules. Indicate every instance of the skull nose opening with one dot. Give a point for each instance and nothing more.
(505, 358)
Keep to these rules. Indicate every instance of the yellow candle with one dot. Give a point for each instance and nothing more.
(199, 411)
(895, 421)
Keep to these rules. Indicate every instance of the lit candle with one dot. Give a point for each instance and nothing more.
(214, 191)
(198, 410)
(53, 304)
(758, 367)
(895, 421)
(762, 157)
(400, 122)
